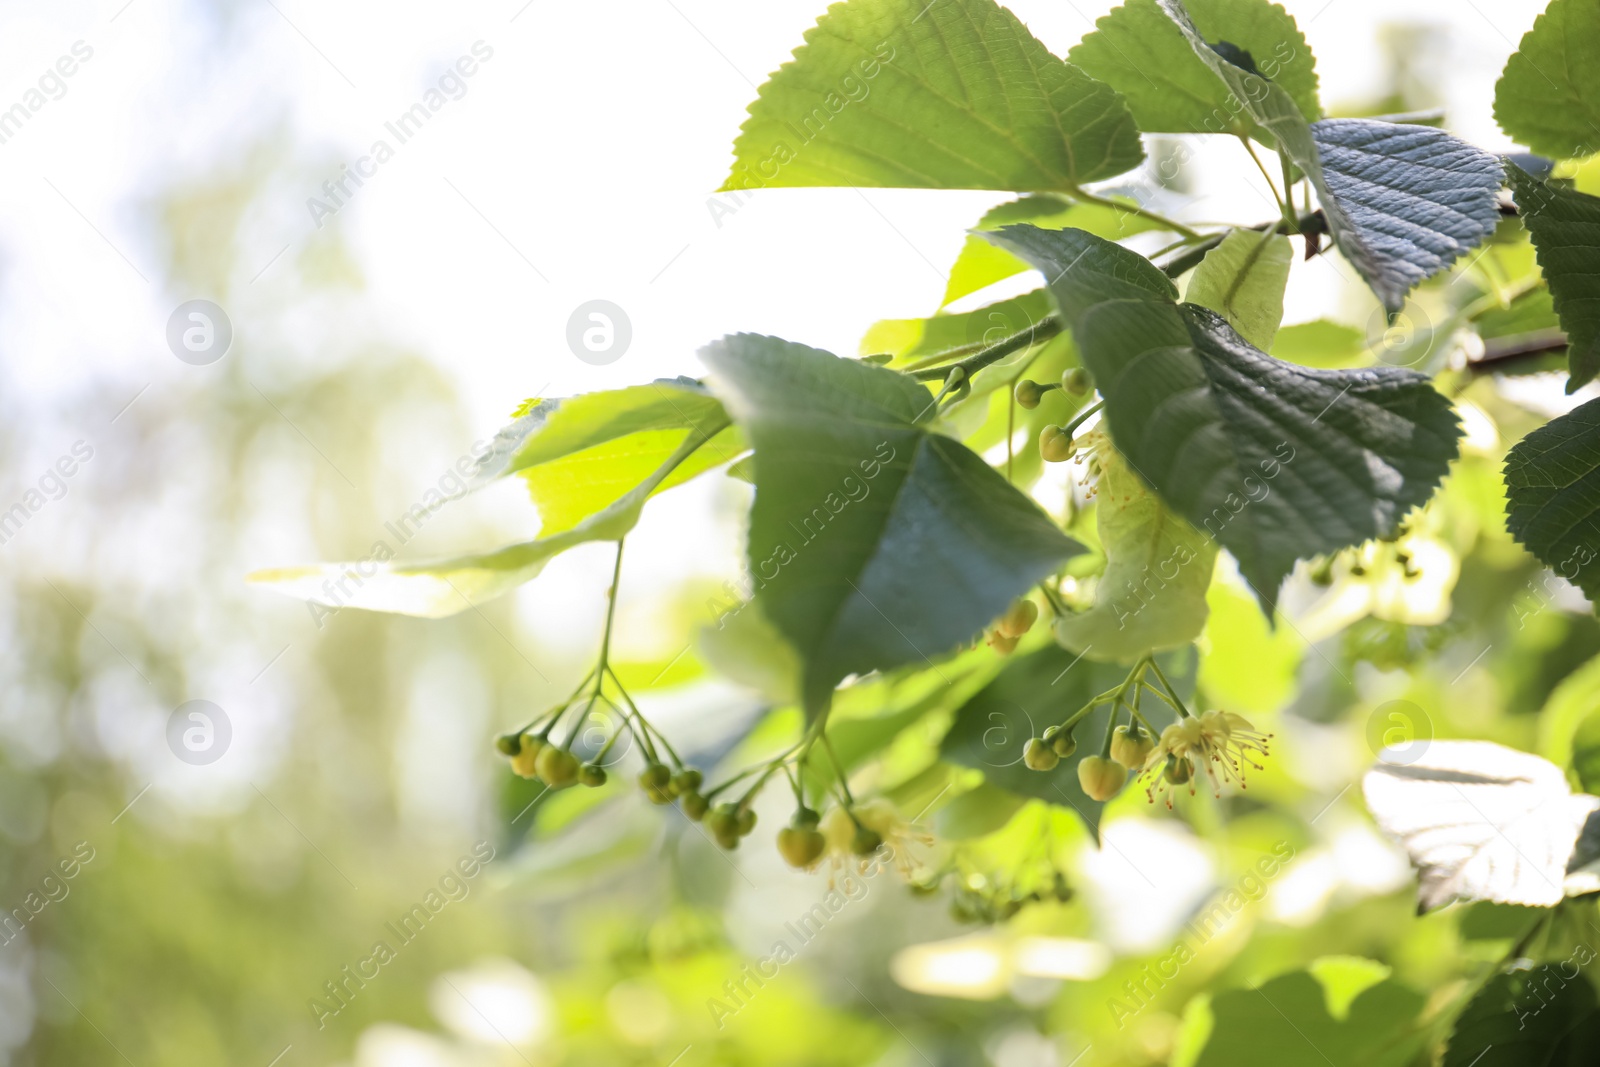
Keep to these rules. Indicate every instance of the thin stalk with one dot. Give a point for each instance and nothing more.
(1042, 330)
(1082, 417)
(1132, 209)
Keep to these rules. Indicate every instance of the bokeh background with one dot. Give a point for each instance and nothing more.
(371, 348)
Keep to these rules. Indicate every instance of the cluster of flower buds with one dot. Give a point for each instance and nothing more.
(979, 901)
(1075, 381)
(536, 756)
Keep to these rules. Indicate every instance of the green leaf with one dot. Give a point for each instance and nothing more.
(1275, 461)
(1243, 279)
(438, 588)
(1035, 690)
(1321, 343)
(1544, 1016)
(582, 454)
(873, 542)
(1152, 594)
(1565, 227)
(977, 813)
(953, 95)
(1138, 51)
(1545, 98)
(1553, 495)
(1586, 753)
(1247, 666)
(981, 264)
(1305, 1017)
(1402, 202)
(912, 342)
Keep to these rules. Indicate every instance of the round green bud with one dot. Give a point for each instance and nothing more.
(1063, 744)
(1131, 746)
(695, 806)
(1178, 771)
(1101, 778)
(805, 819)
(1039, 756)
(688, 780)
(591, 775)
(800, 848)
(655, 776)
(746, 821)
(1028, 394)
(557, 767)
(1077, 381)
(723, 820)
(1055, 446)
(866, 841)
(509, 744)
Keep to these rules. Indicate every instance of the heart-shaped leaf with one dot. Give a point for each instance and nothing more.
(1276, 462)
(1544, 1015)
(873, 541)
(951, 95)
(1545, 98)
(1480, 821)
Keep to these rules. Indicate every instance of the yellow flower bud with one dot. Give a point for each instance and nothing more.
(1101, 778)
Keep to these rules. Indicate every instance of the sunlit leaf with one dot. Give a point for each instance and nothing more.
(952, 95)
(1138, 51)
(1324, 344)
(1480, 821)
(1243, 279)
(1545, 98)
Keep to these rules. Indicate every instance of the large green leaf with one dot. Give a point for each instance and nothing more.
(1565, 227)
(1243, 279)
(1342, 1013)
(580, 455)
(438, 588)
(1036, 690)
(873, 541)
(1553, 495)
(982, 264)
(1545, 98)
(1544, 1016)
(952, 95)
(1275, 461)
(1402, 202)
(1139, 52)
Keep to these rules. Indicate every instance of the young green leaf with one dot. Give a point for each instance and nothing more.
(1545, 98)
(1545, 1015)
(1138, 51)
(910, 341)
(1334, 1014)
(1321, 343)
(1243, 279)
(1276, 462)
(437, 588)
(1152, 594)
(1480, 822)
(953, 95)
(1402, 202)
(873, 541)
(982, 264)
(1553, 495)
(1565, 227)
(581, 454)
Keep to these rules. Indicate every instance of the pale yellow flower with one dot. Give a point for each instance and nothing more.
(1220, 743)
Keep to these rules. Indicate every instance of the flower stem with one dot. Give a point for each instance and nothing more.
(1132, 209)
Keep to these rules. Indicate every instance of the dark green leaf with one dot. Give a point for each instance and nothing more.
(953, 95)
(1545, 99)
(1138, 51)
(1277, 462)
(873, 542)
(1565, 227)
(1553, 495)
(1545, 1016)
(1586, 753)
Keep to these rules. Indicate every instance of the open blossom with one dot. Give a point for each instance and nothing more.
(878, 816)
(1219, 743)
